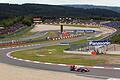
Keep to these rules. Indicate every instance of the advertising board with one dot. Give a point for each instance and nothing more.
(99, 43)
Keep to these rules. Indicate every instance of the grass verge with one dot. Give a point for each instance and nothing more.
(55, 54)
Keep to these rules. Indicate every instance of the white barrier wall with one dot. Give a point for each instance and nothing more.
(77, 52)
(113, 52)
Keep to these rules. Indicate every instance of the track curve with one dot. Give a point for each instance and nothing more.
(102, 73)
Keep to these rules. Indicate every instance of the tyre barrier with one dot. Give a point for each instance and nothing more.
(65, 37)
(17, 43)
(30, 41)
(13, 44)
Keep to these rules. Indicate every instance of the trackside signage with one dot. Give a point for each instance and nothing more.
(84, 30)
(99, 43)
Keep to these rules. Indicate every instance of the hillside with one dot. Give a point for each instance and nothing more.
(116, 9)
(10, 10)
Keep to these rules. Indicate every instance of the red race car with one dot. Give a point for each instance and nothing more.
(78, 69)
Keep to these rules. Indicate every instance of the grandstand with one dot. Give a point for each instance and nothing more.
(112, 24)
(69, 21)
(12, 28)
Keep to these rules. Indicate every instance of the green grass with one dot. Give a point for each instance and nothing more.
(113, 54)
(43, 37)
(55, 54)
(79, 42)
(96, 38)
(115, 39)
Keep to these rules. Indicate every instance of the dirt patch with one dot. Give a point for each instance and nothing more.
(8, 72)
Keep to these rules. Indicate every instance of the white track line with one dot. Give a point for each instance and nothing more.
(117, 68)
(113, 79)
(62, 64)
(97, 67)
(36, 62)
(48, 63)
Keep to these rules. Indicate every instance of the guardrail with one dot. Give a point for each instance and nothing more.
(77, 52)
(113, 52)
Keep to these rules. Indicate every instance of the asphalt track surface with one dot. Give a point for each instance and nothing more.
(98, 73)
(38, 35)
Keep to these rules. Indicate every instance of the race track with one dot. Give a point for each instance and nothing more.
(94, 72)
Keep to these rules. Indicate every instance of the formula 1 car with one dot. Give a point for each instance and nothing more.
(78, 69)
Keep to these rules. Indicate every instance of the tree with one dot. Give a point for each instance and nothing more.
(27, 21)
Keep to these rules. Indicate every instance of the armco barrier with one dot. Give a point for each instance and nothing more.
(113, 52)
(77, 52)
(13, 44)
